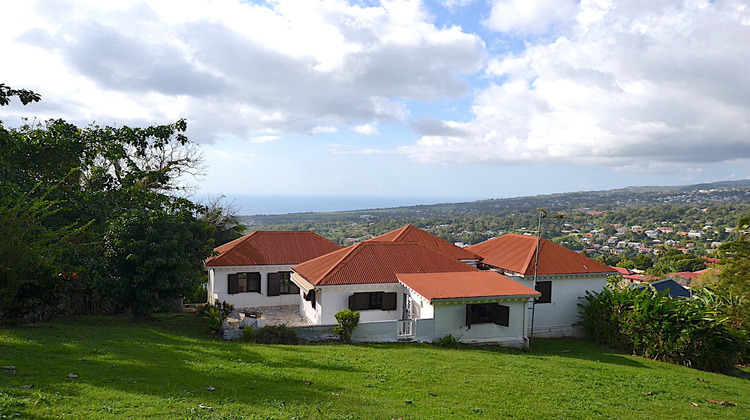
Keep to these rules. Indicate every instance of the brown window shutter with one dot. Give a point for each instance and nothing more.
(545, 287)
(293, 288)
(468, 317)
(233, 284)
(274, 282)
(353, 302)
(253, 282)
(312, 298)
(389, 301)
(501, 315)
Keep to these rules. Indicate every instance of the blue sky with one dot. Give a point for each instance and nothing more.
(454, 99)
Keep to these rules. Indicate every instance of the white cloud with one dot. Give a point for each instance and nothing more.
(654, 86)
(233, 68)
(366, 129)
(264, 139)
(530, 16)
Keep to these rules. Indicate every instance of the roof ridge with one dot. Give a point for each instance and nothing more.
(404, 230)
(347, 255)
(532, 252)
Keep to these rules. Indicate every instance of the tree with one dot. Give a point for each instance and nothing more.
(223, 218)
(75, 184)
(156, 256)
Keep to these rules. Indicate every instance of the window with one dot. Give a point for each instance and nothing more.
(486, 313)
(310, 297)
(546, 288)
(373, 300)
(281, 284)
(243, 282)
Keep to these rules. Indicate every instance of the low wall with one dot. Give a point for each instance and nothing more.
(370, 332)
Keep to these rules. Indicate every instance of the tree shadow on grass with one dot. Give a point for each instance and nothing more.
(150, 361)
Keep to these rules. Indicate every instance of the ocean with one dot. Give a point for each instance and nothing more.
(248, 205)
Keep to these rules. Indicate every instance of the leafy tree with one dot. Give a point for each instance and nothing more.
(156, 256)
(224, 220)
(75, 184)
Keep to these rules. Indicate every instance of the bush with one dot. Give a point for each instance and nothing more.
(449, 342)
(348, 321)
(653, 325)
(275, 334)
(215, 314)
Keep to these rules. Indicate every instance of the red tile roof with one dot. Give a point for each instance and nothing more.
(690, 275)
(376, 262)
(266, 247)
(410, 233)
(622, 270)
(464, 285)
(516, 253)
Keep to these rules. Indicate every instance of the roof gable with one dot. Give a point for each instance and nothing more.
(372, 262)
(517, 253)
(464, 285)
(411, 233)
(272, 247)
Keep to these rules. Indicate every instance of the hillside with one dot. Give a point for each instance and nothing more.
(169, 367)
(692, 217)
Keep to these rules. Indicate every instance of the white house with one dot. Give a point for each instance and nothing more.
(406, 290)
(562, 276)
(255, 269)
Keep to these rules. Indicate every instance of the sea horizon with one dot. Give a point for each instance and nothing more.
(267, 204)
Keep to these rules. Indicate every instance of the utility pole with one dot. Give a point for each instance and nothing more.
(542, 215)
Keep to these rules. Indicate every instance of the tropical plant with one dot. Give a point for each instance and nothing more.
(654, 325)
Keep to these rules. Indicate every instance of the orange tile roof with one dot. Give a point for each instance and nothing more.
(516, 253)
(410, 233)
(267, 247)
(464, 285)
(376, 262)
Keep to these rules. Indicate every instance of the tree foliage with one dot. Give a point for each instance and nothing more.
(654, 325)
(68, 194)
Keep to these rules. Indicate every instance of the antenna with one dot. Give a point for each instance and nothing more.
(542, 215)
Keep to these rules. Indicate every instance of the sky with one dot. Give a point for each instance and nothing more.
(439, 100)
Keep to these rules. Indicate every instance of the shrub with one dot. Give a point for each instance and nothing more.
(215, 314)
(275, 334)
(449, 342)
(348, 321)
(654, 325)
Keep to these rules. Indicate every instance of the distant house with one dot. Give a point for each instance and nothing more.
(685, 278)
(563, 277)
(255, 269)
(405, 290)
(673, 288)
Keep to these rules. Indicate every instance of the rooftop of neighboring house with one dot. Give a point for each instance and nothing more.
(517, 253)
(673, 288)
(622, 270)
(470, 284)
(272, 247)
(372, 262)
(410, 233)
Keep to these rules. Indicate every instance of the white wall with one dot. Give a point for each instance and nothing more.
(450, 318)
(556, 319)
(218, 283)
(331, 299)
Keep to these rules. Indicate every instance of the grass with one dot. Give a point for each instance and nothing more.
(160, 368)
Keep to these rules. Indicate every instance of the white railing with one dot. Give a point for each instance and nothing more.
(406, 328)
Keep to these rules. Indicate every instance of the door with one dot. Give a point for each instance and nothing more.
(406, 307)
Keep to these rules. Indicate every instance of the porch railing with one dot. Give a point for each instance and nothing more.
(405, 328)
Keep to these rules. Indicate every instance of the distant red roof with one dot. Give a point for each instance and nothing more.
(470, 284)
(271, 247)
(410, 233)
(376, 262)
(688, 274)
(516, 253)
(622, 270)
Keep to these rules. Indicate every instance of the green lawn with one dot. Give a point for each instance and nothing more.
(161, 368)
